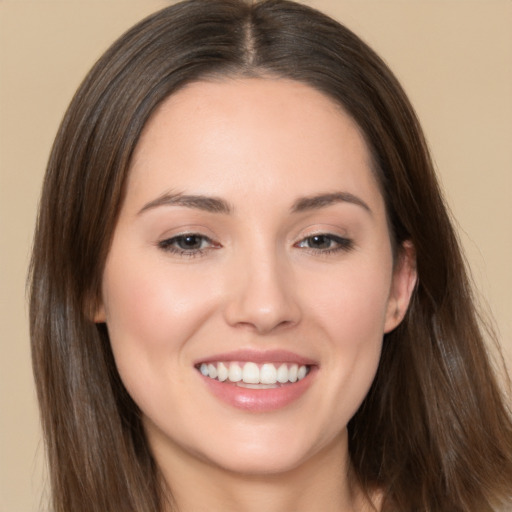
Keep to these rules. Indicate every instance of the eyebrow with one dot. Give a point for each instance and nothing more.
(218, 205)
(206, 203)
(322, 200)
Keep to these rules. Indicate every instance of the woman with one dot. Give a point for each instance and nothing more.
(237, 302)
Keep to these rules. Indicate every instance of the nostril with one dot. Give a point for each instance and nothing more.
(262, 320)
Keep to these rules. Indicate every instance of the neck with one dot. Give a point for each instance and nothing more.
(321, 483)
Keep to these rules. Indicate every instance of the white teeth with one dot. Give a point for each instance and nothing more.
(282, 374)
(268, 374)
(212, 371)
(253, 375)
(256, 386)
(292, 373)
(222, 372)
(235, 373)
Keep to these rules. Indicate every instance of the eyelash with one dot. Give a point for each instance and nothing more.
(171, 244)
(342, 244)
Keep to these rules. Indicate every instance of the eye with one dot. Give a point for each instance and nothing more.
(326, 243)
(187, 244)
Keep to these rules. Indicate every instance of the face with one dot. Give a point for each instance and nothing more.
(250, 278)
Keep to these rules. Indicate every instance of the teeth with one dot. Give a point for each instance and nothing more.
(235, 373)
(282, 374)
(256, 386)
(212, 371)
(222, 372)
(251, 375)
(268, 374)
(292, 373)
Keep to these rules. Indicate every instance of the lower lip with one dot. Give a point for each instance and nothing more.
(259, 400)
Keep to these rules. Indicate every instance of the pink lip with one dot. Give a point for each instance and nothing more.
(259, 400)
(259, 357)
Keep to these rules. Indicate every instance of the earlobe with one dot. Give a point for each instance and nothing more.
(402, 287)
(94, 309)
(99, 316)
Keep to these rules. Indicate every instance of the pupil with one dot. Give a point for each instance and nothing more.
(190, 242)
(320, 242)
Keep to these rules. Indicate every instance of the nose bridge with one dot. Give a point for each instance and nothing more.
(262, 294)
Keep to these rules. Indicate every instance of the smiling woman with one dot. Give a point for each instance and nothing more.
(235, 294)
(234, 286)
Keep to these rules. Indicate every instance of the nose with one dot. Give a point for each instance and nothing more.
(262, 295)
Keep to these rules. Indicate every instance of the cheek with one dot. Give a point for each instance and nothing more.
(353, 304)
(150, 314)
(352, 315)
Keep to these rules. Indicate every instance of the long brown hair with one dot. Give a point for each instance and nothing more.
(434, 432)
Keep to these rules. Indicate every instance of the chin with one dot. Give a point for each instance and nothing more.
(269, 451)
(260, 462)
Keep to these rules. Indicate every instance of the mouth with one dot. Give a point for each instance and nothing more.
(254, 375)
(257, 381)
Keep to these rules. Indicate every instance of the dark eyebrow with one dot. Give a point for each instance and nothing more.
(322, 200)
(208, 204)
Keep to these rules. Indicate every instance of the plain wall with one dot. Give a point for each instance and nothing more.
(454, 58)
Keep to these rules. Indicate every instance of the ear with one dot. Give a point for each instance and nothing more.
(402, 286)
(97, 312)
(94, 307)
(99, 316)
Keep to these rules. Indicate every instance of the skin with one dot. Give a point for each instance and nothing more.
(256, 280)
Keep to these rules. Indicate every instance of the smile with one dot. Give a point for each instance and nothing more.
(253, 375)
(258, 381)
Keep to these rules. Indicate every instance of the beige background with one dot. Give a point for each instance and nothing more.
(454, 58)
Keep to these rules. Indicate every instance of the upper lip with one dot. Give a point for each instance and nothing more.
(259, 356)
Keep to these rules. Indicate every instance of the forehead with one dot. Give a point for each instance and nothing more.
(255, 134)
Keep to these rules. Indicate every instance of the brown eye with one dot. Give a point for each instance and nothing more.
(188, 244)
(326, 243)
(319, 242)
